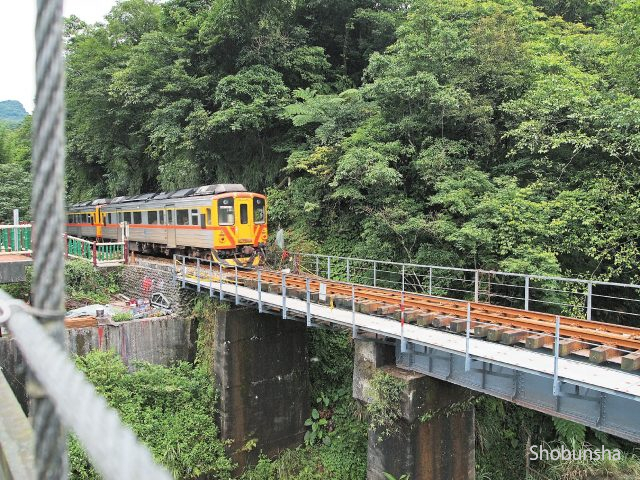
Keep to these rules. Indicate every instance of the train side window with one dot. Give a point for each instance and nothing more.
(127, 217)
(152, 218)
(169, 217)
(244, 213)
(225, 212)
(208, 216)
(258, 210)
(195, 218)
(182, 217)
(137, 218)
(161, 217)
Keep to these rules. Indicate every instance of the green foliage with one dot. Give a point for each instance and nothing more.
(171, 410)
(122, 317)
(388, 476)
(316, 431)
(385, 393)
(204, 311)
(569, 432)
(83, 282)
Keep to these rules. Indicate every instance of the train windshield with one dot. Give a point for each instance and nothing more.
(258, 210)
(225, 212)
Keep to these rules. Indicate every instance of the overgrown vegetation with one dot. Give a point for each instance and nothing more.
(384, 408)
(172, 410)
(83, 283)
(122, 317)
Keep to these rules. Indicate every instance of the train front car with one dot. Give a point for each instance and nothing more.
(240, 224)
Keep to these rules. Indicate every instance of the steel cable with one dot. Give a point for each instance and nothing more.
(47, 291)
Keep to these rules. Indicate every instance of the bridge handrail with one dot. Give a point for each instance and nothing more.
(97, 426)
(576, 297)
(471, 270)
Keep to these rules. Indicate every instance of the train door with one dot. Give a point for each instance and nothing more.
(171, 231)
(244, 228)
(123, 228)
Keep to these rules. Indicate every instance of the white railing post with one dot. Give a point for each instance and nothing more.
(526, 292)
(375, 273)
(467, 357)
(220, 275)
(284, 296)
(184, 271)
(259, 291)
(589, 299)
(348, 273)
(16, 234)
(308, 290)
(354, 330)
(210, 278)
(476, 288)
(175, 264)
(198, 272)
(237, 298)
(556, 354)
(328, 267)
(317, 266)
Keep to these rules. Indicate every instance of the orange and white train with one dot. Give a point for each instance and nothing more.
(223, 222)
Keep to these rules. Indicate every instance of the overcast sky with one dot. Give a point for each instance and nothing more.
(17, 44)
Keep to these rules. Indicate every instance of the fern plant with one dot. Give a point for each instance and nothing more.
(569, 432)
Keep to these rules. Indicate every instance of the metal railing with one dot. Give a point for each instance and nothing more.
(211, 276)
(608, 302)
(99, 253)
(15, 239)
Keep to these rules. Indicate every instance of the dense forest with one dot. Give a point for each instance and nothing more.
(502, 134)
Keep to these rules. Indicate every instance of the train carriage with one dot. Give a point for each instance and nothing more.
(224, 222)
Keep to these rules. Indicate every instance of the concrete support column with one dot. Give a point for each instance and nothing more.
(262, 373)
(435, 438)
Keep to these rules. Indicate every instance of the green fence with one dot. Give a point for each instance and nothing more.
(97, 252)
(15, 239)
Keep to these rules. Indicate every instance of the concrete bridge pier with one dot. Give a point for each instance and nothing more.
(262, 373)
(435, 436)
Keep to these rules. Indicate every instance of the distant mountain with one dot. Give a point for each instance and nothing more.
(12, 111)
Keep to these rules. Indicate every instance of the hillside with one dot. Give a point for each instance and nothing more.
(12, 111)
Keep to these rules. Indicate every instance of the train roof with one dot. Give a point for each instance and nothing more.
(215, 189)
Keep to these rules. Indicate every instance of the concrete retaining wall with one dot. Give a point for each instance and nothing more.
(161, 340)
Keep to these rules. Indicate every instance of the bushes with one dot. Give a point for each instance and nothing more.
(172, 410)
(84, 282)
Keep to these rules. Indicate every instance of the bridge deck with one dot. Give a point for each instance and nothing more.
(570, 370)
(604, 398)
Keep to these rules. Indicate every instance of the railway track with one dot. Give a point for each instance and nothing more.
(600, 342)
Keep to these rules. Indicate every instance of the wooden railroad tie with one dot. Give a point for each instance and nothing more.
(443, 321)
(424, 319)
(569, 345)
(631, 362)
(460, 325)
(494, 333)
(602, 354)
(511, 337)
(534, 342)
